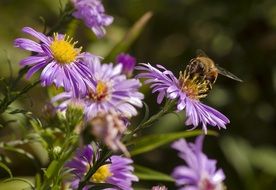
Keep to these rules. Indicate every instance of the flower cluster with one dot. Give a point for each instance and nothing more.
(109, 97)
(106, 94)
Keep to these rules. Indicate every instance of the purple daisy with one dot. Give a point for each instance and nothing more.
(200, 173)
(62, 64)
(93, 14)
(118, 172)
(128, 62)
(110, 90)
(187, 90)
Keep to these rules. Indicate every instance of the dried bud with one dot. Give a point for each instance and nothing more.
(49, 111)
(109, 127)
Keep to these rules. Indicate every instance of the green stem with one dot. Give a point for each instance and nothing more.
(94, 168)
(167, 108)
(10, 98)
(54, 168)
(64, 19)
(21, 73)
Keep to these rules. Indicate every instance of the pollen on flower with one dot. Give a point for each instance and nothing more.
(101, 174)
(63, 49)
(100, 93)
(195, 87)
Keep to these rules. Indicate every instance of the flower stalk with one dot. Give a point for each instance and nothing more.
(102, 161)
(51, 176)
(169, 105)
(64, 19)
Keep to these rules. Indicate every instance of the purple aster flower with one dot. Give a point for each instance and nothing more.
(118, 172)
(128, 63)
(93, 14)
(61, 63)
(110, 90)
(199, 173)
(187, 90)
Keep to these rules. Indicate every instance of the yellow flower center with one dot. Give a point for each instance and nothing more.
(101, 174)
(195, 87)
(101, 88)
(63, 49)
(100, 93)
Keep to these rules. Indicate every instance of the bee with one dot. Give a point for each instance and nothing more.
(204, 68)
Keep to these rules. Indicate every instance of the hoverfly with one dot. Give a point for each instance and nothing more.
(204, 67)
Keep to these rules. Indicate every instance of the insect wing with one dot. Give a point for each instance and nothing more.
(228, 74)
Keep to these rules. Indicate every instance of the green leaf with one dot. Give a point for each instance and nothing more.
(35, 122)
(150, 142)
(129, 37)
(237, 151)
(52, 169)
(6, 168)
(144, 173)
(146, 115)
(14, 179)
(37, 181)
(264, 159)
(20, 151)
(16, 111)
(56, 187)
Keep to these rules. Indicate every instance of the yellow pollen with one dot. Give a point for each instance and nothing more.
(196, 87)
(101, 88)
(63, 50)
(100, 93)
(101, 174)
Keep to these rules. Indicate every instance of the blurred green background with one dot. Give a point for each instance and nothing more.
(238, 35)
